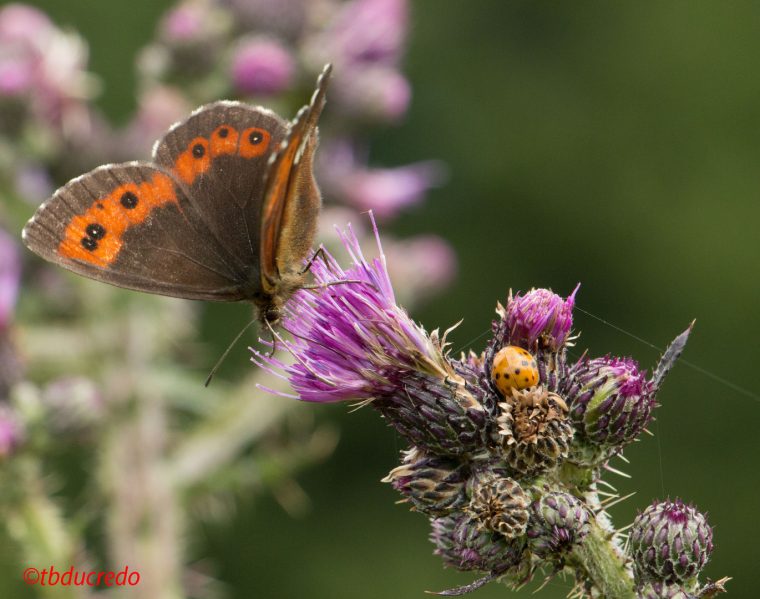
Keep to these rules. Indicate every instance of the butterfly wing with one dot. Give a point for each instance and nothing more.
(291, 199)
(220, 155)
(131, 225)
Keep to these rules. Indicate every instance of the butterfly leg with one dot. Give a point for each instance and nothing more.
(319, 253)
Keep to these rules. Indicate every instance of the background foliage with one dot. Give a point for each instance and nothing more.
(614, 144)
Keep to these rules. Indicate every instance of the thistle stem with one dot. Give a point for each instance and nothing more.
(605, 568)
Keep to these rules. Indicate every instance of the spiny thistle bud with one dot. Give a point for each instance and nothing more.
(498, 503)
(434, 485)
(535, 430)
(354, 343)
(539, 319)
(670, 542)
(610, 400)
(661, 590)
(557, 522)
(464, 545)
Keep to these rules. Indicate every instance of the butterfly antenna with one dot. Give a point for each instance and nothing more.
(226, 352)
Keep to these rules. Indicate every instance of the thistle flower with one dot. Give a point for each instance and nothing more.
(498, 503)
(262, 65)
(434, 485)
(352, 342)
(463, 544)
(558, 521)
(535, 431)
(670, 542)
(538, 319)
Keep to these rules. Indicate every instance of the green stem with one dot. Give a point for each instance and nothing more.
(604, 565)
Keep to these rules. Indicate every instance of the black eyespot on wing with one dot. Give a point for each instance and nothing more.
(89, 244)
(95, 231)
(255, 137)
(198, 150)
(224, 132)
(129, 200)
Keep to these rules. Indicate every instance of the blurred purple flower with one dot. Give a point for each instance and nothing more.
(262, 65)
(425, 262)
(10, 275)
(33, 182)
(368, 31)
(377, 93)
(286, 18)
(352, 338)
(11, 431)
(40, 60)
(160, 107)
(184, 23)
(387, 191)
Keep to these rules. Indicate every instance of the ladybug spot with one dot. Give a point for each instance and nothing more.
(128, 200)
(506, 375)
(255, 137)
(498, 376)
(224, 132)
(89, 244)
(199, 150)
(517, 371)
(95, 231)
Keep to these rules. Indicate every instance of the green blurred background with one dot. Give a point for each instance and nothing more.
(615, 144)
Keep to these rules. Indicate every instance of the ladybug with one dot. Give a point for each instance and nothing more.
(513, 368)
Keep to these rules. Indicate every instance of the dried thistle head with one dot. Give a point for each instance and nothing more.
(535, 430)
(498, 503)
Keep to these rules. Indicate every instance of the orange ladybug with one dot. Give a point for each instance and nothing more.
(513, 368)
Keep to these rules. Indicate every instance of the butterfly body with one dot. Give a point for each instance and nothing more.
(225, 211)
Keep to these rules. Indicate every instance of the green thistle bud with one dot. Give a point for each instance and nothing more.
(557, 522)
(535, 430)
(434, 485)
(463, 544)
(670, 542)
(498, 503)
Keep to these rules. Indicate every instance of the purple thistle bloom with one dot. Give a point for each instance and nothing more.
(262, 65)
(347, 334)
(10, 275)
(352, 342)
(540, 318)
(184, 23)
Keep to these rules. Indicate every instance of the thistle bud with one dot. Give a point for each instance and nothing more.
(262, 65)
(670, 542)
(557, 522)
(539, 319)
(661, 590)
(535, 430)
(610, 400)
(434, 485)
(498, 503)
(464, 545)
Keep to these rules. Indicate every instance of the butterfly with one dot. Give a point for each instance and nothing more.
(226, 210)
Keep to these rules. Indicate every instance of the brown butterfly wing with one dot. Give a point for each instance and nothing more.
(220, 156)
(291, 197)
(131, 225)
